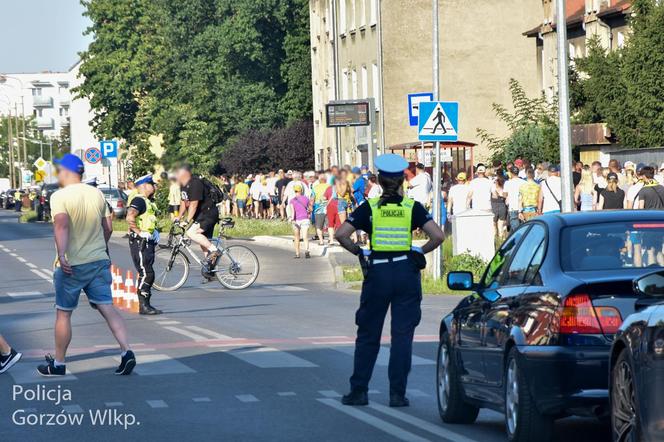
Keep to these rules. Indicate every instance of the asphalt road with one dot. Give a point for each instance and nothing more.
(265, 364)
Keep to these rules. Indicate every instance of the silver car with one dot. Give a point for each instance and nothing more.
(117, 199)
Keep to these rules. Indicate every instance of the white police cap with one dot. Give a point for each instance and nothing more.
(391, 164)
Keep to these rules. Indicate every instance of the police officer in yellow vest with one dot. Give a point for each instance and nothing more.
(143, 237)
(391, 278)
(18, 200)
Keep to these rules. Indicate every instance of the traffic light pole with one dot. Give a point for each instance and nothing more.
(564, 112)
(438, 252)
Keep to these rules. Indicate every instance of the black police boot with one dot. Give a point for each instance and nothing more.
(356, 398)
(148, 297)
(399, 400)
(144, 307)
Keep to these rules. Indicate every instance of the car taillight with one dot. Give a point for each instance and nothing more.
(120, 204)
(578, 316)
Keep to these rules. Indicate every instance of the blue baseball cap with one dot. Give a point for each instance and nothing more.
(145, 179)
(356, 170)
(71, 162)
(391, 164)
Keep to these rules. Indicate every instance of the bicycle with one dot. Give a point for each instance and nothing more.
(237, 267)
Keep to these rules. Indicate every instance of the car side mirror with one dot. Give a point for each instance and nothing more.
(651, 285)
(460, 281)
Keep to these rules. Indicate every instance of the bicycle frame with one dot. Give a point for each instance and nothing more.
(184, 242)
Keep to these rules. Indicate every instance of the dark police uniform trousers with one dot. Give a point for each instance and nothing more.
(142, 253)
(395, 285)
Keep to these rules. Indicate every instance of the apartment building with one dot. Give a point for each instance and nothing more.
(382, 49)
(47, 97)
(586, 19)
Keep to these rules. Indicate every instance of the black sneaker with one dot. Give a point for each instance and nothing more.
(50, 370)
(398, 400)
(127, 364)
(356, 398)
(6, 362)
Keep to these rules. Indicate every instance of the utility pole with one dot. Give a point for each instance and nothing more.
(18, 134)
(10, 146)
(438, 252)
(25, 135)
(563, 112)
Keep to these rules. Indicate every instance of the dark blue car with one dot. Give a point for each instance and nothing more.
(534, 338)
(637, 367)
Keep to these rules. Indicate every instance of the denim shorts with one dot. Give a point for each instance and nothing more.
(93, 278)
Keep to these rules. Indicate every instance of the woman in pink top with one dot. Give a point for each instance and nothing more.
(301, 220)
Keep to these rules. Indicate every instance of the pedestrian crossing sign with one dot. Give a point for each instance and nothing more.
(40, 163)
(439, 121)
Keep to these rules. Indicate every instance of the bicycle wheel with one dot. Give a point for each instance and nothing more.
(170, 270)
(237, 267)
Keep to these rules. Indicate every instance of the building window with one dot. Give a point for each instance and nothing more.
(363, 13)
(354, 83)
(36, 92)
(352, 15)
(375, 79)
(365, 83)
(342, 17)
(64, 111)
(373, 5)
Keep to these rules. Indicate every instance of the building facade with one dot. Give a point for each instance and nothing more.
(382, 49)
(47, 97)
(586, 19)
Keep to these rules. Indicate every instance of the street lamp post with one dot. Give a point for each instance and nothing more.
(564, 112)
(437, 253)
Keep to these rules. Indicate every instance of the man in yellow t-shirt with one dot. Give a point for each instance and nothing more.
(529, 195)
(82, 227)
(240, 195)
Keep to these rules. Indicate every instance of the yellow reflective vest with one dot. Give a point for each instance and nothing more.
(391, 226)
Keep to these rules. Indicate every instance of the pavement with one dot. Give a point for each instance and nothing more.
(265, 364)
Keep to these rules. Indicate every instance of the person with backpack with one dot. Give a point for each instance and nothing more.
(550, 197)
(198, 213)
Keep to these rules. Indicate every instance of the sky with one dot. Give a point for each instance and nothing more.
(41, 35)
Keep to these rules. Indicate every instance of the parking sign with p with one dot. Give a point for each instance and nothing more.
(109, 148)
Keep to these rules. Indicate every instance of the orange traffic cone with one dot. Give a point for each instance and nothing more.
(115, 286)
(133, 300)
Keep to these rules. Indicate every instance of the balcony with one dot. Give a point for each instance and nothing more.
(65, 100)
(42, 101)
(45, 123)
(64, 121)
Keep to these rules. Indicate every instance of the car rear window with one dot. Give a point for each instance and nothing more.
(612, 246)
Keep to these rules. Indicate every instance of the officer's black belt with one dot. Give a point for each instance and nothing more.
(388, 260)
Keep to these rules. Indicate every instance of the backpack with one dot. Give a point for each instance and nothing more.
(212, 190)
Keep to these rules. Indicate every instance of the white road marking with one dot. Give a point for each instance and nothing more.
(322, 337)
(202, 399)
(268, 357)
(114, 404)
(158, 403)
(246, 398)
(24, 294)
(348, 342)
(40, 274)
(168, 322)
(235, 344)
(13, 254)
(72, 408)
(416, 393)
(160, 364)
(23, 260)
(194, 336)
(286, 393)
(374, 421)
(288, 288)
(48, 272)
(31, 265)
(26, 373)
(329, 393)
(205, 331)
(383, 359)
(421, 424)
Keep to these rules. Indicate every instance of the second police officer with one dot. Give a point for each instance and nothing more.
(143, 237)
(391, 279)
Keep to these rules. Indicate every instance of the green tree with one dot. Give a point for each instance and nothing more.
(532, 125)
(641, 120)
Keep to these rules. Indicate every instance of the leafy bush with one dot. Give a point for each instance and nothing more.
(467, 263)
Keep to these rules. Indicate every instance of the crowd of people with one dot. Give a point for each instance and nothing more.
(514, 192)
(518, 191)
